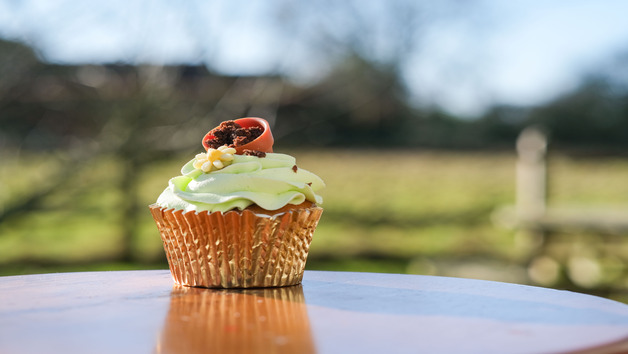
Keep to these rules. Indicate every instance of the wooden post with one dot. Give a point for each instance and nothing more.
(531, 174)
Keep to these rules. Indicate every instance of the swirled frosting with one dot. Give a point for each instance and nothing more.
(271, 182)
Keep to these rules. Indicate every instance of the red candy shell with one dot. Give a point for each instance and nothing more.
(263, 143)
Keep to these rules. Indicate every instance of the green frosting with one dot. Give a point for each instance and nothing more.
(270, 182)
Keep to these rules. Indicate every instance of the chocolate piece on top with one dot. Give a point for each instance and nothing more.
(232, 134)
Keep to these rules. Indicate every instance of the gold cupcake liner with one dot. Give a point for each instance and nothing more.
(236, 249)
(269, 320)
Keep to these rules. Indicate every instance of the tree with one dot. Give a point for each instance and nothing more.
(594, 114)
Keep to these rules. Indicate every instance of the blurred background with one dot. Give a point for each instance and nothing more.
(410, 110)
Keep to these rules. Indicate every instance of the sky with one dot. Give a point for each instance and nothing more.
(528, 51)
(471, 54)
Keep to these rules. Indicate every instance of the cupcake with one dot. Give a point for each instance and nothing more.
(239, 215)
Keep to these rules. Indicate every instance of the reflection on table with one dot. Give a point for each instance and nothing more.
(236, 321)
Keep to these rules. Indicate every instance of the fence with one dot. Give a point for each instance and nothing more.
(578, 246)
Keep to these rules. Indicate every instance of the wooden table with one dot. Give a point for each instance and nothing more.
(331, 312)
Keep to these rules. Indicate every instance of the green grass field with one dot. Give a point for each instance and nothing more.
(421, 212)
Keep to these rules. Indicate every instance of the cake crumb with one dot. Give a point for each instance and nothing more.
(254, 153)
